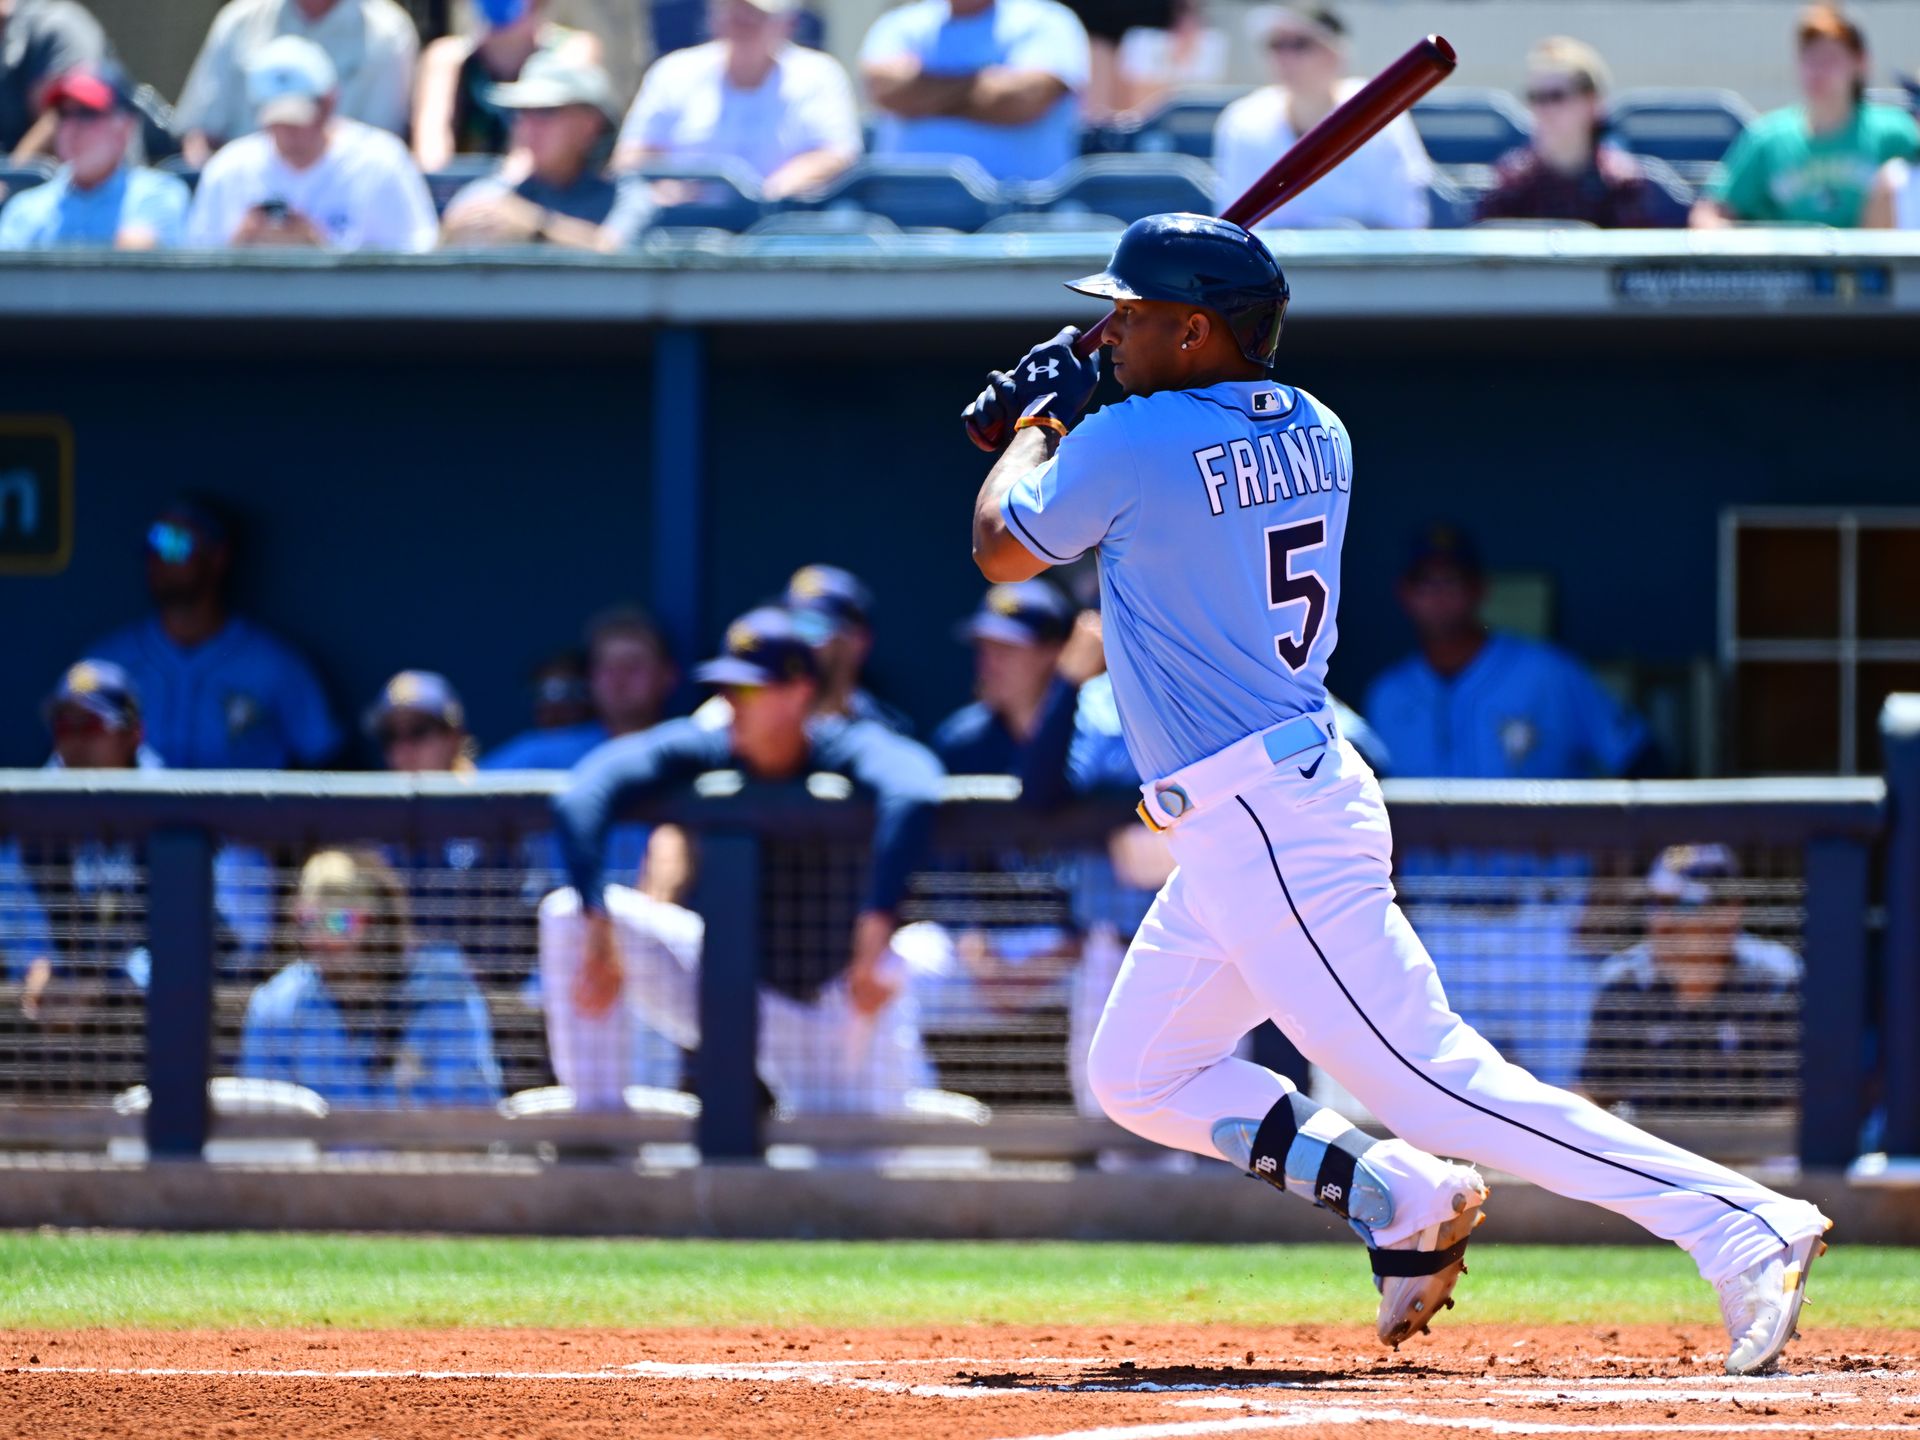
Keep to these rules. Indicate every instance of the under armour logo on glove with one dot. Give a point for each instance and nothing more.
(1052, 372)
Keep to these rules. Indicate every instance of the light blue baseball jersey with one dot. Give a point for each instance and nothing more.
(1218, 515)
(1521, 710)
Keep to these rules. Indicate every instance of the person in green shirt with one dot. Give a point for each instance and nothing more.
(1814, 162)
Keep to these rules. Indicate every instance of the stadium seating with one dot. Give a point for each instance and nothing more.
(726, 196)
(1451, 205)
(915, 193)
(24, 176)
(1182, 126)
(1127, 186)
(1467, 126)
(1053, 222)
(458, 173)
(1689, 129)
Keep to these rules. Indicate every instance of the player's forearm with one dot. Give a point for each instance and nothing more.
(904, 89)
(999, 96)
(1000, 556)
(806, 172)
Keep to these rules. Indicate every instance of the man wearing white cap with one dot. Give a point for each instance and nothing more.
(309, 176)
(551, 189)
(1382, 186)
(372, 44)
(751, 95)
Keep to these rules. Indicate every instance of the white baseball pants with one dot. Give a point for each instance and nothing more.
(1283, 908)
(815, 1057)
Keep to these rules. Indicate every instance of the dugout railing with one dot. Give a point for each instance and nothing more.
(1574, 856)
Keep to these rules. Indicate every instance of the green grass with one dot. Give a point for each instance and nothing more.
(65, 1280)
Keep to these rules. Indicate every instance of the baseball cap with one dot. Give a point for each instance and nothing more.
(182, 525)
(830, 593)
(763, 647)
(1443, 543)
(1685, 874)
(422, 691)
(1025, 612)
(1563, 55)
(1322, 22)
(775, 7)
(550, 80)
(100, 687)
(288, 79)
(103, 87)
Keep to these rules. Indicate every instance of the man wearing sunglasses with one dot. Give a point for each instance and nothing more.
(1700, 1014)
(221, 692)
(838, 1030)
(1381, 186)
(1565, 172)
(97, 198)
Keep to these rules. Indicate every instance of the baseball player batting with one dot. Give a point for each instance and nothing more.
(1217, 499)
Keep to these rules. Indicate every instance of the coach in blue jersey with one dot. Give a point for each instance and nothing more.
(838, 1030)
(220, 692)
(1479, 704)
(1215, 499)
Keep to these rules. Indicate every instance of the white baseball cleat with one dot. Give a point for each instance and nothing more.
(1416, 1276)
(1761, 1305)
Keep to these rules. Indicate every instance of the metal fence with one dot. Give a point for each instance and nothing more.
(368, 961)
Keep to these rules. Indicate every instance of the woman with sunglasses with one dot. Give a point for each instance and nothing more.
(1565, 172)
(454, 112)
(362, 1013)
(1382, 186)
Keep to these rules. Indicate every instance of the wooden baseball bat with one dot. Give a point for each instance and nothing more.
(1371, 109)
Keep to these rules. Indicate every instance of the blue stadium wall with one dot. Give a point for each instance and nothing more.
(461, 497)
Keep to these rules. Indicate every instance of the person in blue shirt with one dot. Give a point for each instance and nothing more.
(838, 1025)
(1478, 704)
(96, 198)
(365, 1016)
(996, 81)
(220, 692)
(630, 674)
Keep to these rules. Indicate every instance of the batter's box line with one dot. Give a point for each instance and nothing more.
(1323, 1416)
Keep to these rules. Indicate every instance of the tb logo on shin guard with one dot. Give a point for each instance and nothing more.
(1332, 1194)
(1265, 1165)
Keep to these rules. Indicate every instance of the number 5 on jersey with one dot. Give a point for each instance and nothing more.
(1285, 586)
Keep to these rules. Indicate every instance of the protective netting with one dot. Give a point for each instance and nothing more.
(448, 975)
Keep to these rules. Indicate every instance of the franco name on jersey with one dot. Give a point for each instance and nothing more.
(1273, 466)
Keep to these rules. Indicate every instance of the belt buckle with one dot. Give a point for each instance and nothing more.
(1174, 802)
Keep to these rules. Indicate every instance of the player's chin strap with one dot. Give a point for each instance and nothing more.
(1309, 1150)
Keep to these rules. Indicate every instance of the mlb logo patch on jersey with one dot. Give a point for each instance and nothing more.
(1271, 402)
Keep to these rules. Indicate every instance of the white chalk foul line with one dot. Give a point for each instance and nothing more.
(1321, 1416)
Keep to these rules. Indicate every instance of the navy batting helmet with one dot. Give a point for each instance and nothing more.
(1207, 263)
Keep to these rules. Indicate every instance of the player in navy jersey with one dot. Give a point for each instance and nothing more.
(1216, 499)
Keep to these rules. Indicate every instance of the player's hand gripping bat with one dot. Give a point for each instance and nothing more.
(1350, 125)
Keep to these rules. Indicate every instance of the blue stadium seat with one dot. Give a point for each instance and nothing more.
(24, 176)
(823, 222)
(179, 165)
(726, 195)
(1451, 207)
(1690, 129)
(1054, 222)
(1466, 126)
(1128, 186)
(458, 173)
(1678, 194)
(1184, 124)
(915, 192)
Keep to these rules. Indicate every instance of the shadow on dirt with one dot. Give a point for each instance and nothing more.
(1128, 1375)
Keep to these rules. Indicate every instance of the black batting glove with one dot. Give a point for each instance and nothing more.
(1050, 383)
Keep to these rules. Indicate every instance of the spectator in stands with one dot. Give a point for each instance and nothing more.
(1813, 163)
(552, 189)
(1157, 61)
(420, 725)
(70, 912)
(310, 177)
(221, 693)
(98, 198)
(454, 109)
(1107, 23)
(1382, 185)
(1700, 1014)
(996, 81)
(370, 45)
(364, 1015)
(838, 1029)
(631, 673)
(1894, 201)
(836, 609)
(1480, 704)
(40, 40)
(751, 95)
(1565, 172)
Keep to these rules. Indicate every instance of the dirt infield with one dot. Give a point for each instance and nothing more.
(968, 1383)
